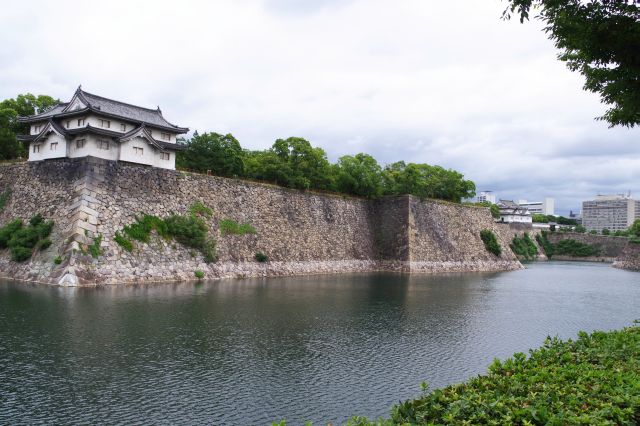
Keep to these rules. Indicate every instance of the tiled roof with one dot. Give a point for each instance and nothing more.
(110, 107)
(132, 112)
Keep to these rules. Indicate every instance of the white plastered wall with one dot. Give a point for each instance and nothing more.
(51, 146)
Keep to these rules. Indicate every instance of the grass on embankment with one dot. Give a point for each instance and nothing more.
(594, 380)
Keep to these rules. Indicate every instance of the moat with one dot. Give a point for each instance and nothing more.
(303, 348)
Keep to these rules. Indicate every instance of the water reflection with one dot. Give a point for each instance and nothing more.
(251, 351)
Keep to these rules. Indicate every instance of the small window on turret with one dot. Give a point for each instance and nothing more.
(37, 128)
(164, 156)
(36, 148)
(105, 123)
(123, 127)
(165, 136)
(80, 143)
(80, 122)
(54, 146)
(68, 124)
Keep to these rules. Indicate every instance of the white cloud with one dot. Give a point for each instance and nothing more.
(448, 83)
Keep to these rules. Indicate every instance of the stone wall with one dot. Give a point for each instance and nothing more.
(300, 232)
(629, 258)
(610, 247)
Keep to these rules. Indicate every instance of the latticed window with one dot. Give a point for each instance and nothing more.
(164, 156)
(138, 151)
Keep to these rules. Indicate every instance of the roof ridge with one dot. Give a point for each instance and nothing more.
(120, 102)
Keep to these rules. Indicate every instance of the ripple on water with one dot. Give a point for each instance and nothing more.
(254, 351)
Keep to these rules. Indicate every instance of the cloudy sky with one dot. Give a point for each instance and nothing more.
(445, 83)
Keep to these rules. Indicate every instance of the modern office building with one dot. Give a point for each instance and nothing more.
(546, 207)
(487, 196)
(612, 212)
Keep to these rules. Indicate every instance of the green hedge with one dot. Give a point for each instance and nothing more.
(594, 380)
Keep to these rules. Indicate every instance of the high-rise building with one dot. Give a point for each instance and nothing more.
(612, 212)
(546, 207)
(487, 196)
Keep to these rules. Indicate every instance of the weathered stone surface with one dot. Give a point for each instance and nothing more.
(301, 232)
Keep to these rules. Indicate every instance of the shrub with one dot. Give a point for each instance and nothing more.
(57, 260)
(524, 247)
(261, 257)
(94, 248)
(23, 240)
(593, 232)
(230, 226)
(199, 274)
(123, 242)
(20, 254)
(140, 230)
(575, 248)
(7, 231)
(605, 231)
(580, 229)
(592, 380)
(545, 244)
(199, 209)
(189, 230)
(490, 242)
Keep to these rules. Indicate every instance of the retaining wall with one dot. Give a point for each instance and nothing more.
(301, 232)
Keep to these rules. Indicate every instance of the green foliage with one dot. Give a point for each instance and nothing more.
(593, 380)
(524, 247)
(7, 231)
(10, 110)
(425, 181)
(4, 197)
(23, 240)
(222, 154)
(57, 260)
(199, 274)
(231, 227)
(575, 248)
(605, 231)
(580, 229)
(189, 230)
(601, 40)
(359, 175)
(199, 209)
(495, 211)
(634, 229)
(539, 218)
(140, 230)
(94, 247)
(490, 242)
(545, 244)
(593, 232)
(634, 240)
(621, 233)
(123, 242)
(295, 163)
(261, 257)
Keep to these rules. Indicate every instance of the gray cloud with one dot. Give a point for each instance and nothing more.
(438, 82)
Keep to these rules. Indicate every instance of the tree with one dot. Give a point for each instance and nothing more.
(222, 154)
(10, 110)
(606, 231)
(580, 229)
(426, 181)
(539, 218)
(601, 40)
(634, 229)
(359, 175)
(292, 162)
